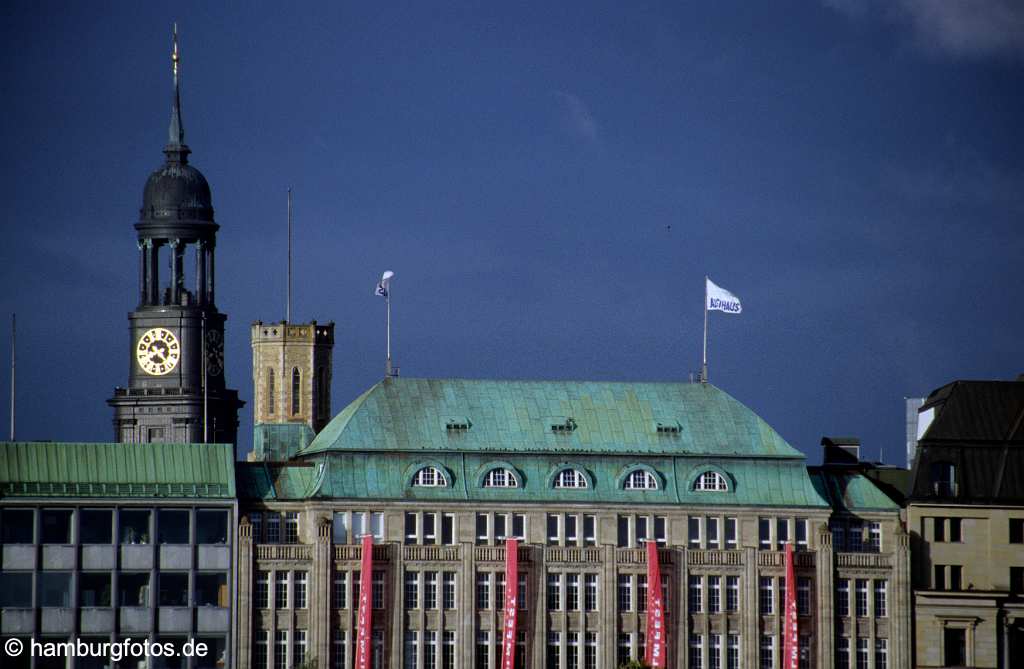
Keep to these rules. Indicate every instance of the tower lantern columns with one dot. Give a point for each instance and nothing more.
(211, 274)
(201, 271)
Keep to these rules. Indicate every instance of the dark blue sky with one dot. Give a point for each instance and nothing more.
(549, 183)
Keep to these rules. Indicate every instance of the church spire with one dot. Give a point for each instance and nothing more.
(176, 149)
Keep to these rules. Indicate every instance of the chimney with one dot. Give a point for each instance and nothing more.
(841, 450)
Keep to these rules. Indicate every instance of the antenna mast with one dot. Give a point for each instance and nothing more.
(14, 321)
(288, 304)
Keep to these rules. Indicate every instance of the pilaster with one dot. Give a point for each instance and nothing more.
(825, 586)
(243, 600)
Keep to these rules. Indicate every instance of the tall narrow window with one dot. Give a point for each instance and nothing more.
(270, 391)
(295, 391)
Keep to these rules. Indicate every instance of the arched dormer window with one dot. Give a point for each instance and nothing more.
(711, 481)
(296, 383)
(640, 479)
(500, 477)
(270, 391)
(570, 478)
(429, 477)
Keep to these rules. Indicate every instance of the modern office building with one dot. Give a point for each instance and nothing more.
(965, 513)
(106, 542)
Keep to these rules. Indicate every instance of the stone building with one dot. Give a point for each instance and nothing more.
(106, 542)
(965, 513)
(440, 471)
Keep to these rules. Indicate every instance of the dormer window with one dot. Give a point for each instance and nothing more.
(640, 479)
(668, 427)
(458, 425)
(944, 479)
(570, 478)
(711, 481)
(563, 425)
(429, 477)
(500, 477)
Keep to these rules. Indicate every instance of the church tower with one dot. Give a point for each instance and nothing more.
(176, 390)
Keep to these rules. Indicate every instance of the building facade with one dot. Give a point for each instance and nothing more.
(107, 542)
(965, 512)
(441, 471)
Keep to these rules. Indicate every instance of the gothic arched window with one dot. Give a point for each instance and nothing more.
(295, 390)
(270, 391)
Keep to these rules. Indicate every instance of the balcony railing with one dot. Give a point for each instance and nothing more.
(381, 552)
(639, 556)
(778, 559)
(713, 558)
(284, 552)
(431, 553)
(497, 553)
(864, 560)
(572, 554)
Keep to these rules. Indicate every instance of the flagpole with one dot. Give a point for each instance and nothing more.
(704, 364)
(387, 301)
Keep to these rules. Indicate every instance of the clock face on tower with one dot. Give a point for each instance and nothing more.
(158, 351)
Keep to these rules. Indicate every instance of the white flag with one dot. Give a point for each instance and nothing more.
(384, 284)
(719, 299)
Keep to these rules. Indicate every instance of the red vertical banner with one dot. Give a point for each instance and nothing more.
(364, 644)
(790, 646)
(508, 644)
(655, 653)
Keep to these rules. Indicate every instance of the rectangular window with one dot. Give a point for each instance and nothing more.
(642, 530)
(134, 526)
(553, 534)
(377, 590)
(281, 649)
(572, 592)
(340, 590)
(338, 652)
(659, 531)
(625, 593)
(1016, 580)
(625, 653)
(862, 653)
(838, 535)
(339, 528)
(572, 655)
(281, 590)
(448, 589)
(519, 526)
(133, 589)
(803, 596)
(96, 526)
(590, 654)
(766, 596)
(430, 589)
(731, 535)
(696, 589)
(623, 531)
(554, 592)
(939, 577)
(483, 590)
(712, 533)
(410, 527)
(260, 653)
(781, 531)
(173, 525)
(483, 650)
(521, 591)
(211, 526)
(483, 536)
(430, 649)
(732, 593)
(843, 597)
(801, 532)
(411, 646)
(881, 585)
(448, 529)
(499, 591)
(767, 651)
(875, 536)
(173, 588)
(842, 653)
(764, 533)
(448, 650)
(273, 528)
(862, 598)
(93, 589)
(732, 658)
(554, 650)
(955, 577)
(715, 652)
(571, 537)
(590, 592)
(641, 592)
(956, 530)
(696, 651)
(881, 654)
(300, 589)
(939, 529)
(499, 527)
(211, 590)
(291, 527)
(954, 642)
(804, 652)
(1017, 530)
(855, 536)
(412, 590)
(262, 590)
(693, 532)
(714, 594)
(299, 649)
(55, 525)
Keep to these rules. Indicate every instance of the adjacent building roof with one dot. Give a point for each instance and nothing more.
(972, 452)
(276, 480)
(438, 415)
(850, 491)
(54, 469)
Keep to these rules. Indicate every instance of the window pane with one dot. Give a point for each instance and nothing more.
(134, 526)
(16, 525)
(173, 526)
(15, 590)
(56, 526)
(211, 526)
(54, 588)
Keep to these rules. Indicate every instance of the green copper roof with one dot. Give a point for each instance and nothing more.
(52, 469)
(265, 480)
(457, 415)
(851, 491)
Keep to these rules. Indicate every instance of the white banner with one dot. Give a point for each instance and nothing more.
(719, 299)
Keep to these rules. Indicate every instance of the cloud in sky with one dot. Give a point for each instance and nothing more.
(955, 27)
(578, 118)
